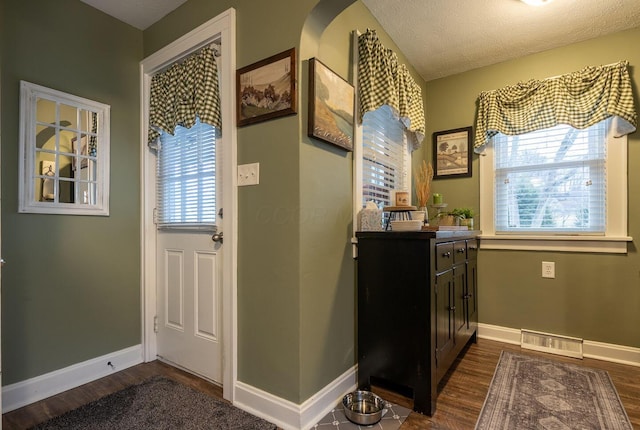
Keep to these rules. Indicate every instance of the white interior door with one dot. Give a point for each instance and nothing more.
(189, 298)
(189, 288)
(189, 261)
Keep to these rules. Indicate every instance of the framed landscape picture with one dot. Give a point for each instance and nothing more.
(452, 150)
(267, 89)
(331, 106)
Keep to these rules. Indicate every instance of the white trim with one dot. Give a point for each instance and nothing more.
(604, 244)
(615, 239)
(357, 147)
(288, 415)
(23, 393)
(600, 351)
(221, 27)
(500, 334)
(614, 353)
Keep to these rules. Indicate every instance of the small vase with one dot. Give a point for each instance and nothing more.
(468, 222)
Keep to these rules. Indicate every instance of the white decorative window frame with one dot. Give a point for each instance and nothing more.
(615, 239)
(28, 203)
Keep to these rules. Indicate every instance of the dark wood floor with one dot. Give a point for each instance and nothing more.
(460, 399)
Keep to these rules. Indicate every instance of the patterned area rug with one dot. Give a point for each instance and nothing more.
(158, 404)
(336, 420)
(529, 392)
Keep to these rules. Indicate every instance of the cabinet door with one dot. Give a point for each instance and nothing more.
(471, 296)
(459, 294)
(444, 314)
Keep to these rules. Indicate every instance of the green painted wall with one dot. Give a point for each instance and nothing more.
(296, 275)
(295, 280)
(269, 215)
(327, 269)
(295, 271)
(71, 286)
(594, 296)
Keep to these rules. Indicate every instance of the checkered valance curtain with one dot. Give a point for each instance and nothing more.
(187, 89)
(580, 99)
(383, 81)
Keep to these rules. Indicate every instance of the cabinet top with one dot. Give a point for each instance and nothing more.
(417, 235)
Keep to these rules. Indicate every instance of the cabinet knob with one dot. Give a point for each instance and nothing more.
(460, 250)
(446, 254)
(452, 308)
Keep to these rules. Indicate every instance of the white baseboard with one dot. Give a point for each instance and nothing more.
(609, 352)
(591, 349)
(288, 415)
(500, 334)
(22, 393)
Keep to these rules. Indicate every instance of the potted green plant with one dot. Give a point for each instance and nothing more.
(465, 216)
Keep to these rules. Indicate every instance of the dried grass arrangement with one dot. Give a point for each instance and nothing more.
(423, 179)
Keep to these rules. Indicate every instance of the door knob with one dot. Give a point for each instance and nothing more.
(217, 237)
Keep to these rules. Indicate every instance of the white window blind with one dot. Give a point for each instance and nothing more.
(186, 177)
(552, 181)
(385, 157)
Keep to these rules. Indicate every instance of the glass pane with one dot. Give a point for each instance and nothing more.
(45, 164)
(45, 189)
(66, 141)
(65, 170)
(45, 137)
(83, 147)
(86, 193)
(68, 116)
(84, 173)
(84, 121)
(66, 191)
(90, 172)
(45, 111)
(186, 176)
(83, 193)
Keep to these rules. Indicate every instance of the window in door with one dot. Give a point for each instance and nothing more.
(186, 177)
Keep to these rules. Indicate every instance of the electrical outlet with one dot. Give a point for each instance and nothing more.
(548, 269)
(248, 174)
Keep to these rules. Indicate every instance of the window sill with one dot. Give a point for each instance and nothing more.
(596, 244)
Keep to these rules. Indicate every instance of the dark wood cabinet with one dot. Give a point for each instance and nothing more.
(417, 308)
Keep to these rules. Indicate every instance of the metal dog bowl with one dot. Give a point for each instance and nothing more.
(363, 407)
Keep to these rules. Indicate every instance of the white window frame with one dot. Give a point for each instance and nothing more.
(613, 241)
(358, 151)
(405, 181)
(28, 203)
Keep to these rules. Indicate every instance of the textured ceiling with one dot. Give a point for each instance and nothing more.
(138, 13)
(444, 37)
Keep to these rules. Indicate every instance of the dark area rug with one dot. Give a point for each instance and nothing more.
(158, 403)
(529, 392)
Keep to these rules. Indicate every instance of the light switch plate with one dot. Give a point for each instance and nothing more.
(248, 174)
